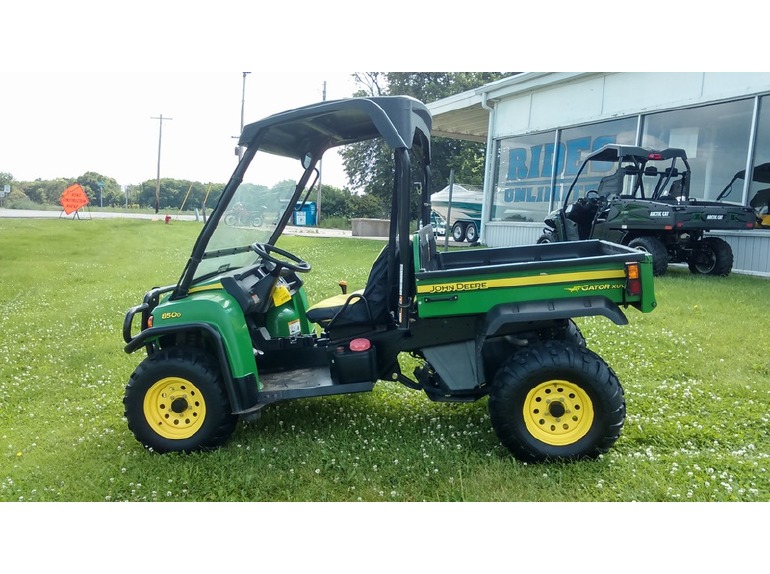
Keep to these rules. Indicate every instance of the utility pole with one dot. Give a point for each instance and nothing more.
(160, 139)
(243, 105)
(318, 207)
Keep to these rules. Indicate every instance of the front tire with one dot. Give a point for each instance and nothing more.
(556, 401)
(714, 256)
(654, 247)
(547, 237)
(175, 402)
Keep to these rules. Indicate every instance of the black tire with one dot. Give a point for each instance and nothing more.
(654, 247)
(574, 334)
(175, 402)
(556, 401)
(547, 237)
(471, 233)
(712, 256)
(458, 232)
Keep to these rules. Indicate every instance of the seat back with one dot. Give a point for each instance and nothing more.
(612, 184)
(378, 293)
(428, 252)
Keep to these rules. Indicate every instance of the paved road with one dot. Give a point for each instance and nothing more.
(290, 230)
(52, 214)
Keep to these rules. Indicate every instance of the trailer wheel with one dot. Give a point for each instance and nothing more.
(713, 256)
(471, 233)
(556, 401)
(654, 247)
(458, 232)
(547, 237)
(175, 402)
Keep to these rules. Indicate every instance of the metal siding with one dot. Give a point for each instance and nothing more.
(751, 251)
(507, 234)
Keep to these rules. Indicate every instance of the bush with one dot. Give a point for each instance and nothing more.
(335, 223)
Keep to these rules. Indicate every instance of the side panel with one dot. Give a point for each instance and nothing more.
(471, 282)
(479, 293)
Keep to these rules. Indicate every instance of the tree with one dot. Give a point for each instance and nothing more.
(46, 191)
(101, 190)
(369, 165)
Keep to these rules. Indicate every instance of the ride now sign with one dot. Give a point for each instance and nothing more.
(73, 198)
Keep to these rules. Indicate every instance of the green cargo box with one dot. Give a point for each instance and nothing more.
(473, 281)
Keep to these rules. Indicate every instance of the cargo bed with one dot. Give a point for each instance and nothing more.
(472, 281)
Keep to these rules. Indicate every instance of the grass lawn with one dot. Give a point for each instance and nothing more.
(696, 374)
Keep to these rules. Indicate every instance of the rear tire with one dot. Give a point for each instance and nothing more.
(574, 335)
(458, 232)
(714, 256)
(654, 247)
(556, 401)
(175, 402)
(471, 233)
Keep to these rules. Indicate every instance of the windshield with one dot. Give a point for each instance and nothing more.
(252, 214)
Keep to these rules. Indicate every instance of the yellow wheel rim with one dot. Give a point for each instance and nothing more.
(558, 412)
(174, 408)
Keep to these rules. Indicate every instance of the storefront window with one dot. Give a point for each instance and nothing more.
(522, 190)
(716, 139)
(578, 143)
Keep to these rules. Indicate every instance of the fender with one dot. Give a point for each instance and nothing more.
(242, 391)
(505, 314)
(508, 313)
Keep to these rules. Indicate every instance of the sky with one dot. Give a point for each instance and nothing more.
(63, 124)
(81, 81)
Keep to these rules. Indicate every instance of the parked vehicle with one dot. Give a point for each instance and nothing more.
(236, 333)
(240, 215)
(464, 215)
(645, 203)
(761, 198)
(438, 223)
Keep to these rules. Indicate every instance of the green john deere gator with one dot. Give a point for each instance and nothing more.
(237, 332)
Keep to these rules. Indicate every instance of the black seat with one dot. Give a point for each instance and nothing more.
(371, 306)
(612, 184)
(429, 258)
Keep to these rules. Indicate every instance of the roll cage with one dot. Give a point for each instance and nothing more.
(401, 122)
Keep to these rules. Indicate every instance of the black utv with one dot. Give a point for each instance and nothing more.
(645, 203)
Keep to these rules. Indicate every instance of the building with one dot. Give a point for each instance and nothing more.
(538, 126)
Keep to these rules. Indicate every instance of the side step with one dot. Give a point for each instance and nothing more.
(302, 383)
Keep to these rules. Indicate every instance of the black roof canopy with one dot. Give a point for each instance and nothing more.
(616, 152)
(401, 121)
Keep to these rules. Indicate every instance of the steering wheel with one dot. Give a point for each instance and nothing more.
(593, 195)
(294, 263)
